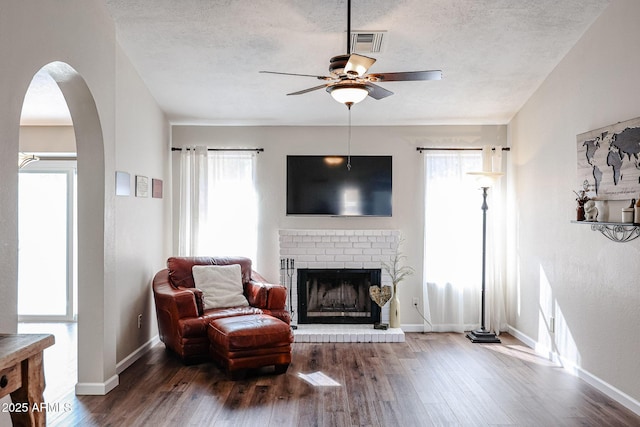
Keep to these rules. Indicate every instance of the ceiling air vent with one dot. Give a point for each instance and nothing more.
(367, 41)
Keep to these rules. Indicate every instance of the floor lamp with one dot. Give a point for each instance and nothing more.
(482, 335)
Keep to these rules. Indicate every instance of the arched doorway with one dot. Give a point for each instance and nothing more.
(47, 219)
(96, 334)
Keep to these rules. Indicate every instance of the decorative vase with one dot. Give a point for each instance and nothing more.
(394, 309)
(580, 212)
(603, 211)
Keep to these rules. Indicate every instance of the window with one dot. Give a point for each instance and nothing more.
(453, 243)
(218, 204)
(453, 240)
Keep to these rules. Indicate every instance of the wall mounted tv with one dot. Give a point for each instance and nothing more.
(323, 185)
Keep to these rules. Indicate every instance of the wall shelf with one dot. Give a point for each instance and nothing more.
(615, 231)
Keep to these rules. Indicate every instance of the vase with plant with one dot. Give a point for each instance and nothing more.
(581, 198)
(398, 273)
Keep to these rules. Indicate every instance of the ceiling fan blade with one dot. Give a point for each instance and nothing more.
(406, 76)
(301, 75)
(377, 92)
(311, 89)
(358, 64)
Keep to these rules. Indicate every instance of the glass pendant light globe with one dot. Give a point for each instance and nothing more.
(348, 94)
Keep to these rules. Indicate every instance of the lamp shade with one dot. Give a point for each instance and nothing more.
(348, 93)
(490, 173)
(486, 179)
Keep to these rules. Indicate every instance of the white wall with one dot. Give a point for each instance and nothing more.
(33, 34)
(588, 283)
(55, 139)
(80, 33)
(408, 188)
(142, 224)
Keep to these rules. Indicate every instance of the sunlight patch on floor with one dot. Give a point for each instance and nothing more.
(523, 353)
(319, 379)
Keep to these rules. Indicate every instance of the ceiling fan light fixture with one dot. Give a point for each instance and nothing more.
(349, 83)
(349, 93)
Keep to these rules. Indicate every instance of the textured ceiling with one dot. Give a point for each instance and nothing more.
(201, 58)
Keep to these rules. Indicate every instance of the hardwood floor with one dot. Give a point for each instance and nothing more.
(60, 360)
(431, 379)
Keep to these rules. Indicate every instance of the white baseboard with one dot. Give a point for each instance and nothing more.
(412, 327)
(100, 389)
(137, 354)
(617, 395)
(97, 389)
(604, 387)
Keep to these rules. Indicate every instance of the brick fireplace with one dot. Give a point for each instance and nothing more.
(340, 249)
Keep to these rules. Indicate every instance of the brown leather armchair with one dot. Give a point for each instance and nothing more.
(182, 320)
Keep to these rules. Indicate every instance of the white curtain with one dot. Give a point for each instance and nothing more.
(193, 198)
(453, 245)
(218, 203)
(496, 317)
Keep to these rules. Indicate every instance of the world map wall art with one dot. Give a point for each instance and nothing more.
(608, 161)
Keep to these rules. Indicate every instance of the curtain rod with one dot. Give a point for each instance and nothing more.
(421, 149)
(257, 150)
(44, 158)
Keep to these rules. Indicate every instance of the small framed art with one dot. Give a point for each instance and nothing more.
(142, 186)
(123, 184)
(156, 188)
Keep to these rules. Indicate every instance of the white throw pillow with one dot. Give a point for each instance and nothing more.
(221, 285)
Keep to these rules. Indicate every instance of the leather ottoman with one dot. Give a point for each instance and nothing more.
(253, 341)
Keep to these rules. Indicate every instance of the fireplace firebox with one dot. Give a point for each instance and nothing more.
(338, 296)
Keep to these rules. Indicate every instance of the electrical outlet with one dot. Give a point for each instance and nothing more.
(416, 301)
(139, 321)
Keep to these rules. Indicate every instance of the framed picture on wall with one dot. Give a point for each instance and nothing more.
(123, 184)
(156, 188)
(142, 186)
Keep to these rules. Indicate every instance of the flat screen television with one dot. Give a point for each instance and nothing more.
(323, 185)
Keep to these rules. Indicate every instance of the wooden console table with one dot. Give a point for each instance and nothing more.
(22, 376)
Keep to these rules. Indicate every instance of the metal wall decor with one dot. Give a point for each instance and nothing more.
(608, 160)
(615, 231)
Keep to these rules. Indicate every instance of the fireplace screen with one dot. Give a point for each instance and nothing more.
(337, 296)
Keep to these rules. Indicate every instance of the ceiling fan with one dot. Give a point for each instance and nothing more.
(349, 83)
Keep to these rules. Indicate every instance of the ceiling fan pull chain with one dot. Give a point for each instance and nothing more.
(349, 140)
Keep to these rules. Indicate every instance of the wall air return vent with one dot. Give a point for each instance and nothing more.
(367, 41)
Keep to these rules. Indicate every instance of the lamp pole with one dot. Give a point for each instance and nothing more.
(482, 335)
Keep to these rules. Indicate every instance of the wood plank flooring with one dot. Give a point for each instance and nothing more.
(431, 379)
(60, 360)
